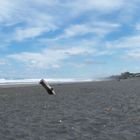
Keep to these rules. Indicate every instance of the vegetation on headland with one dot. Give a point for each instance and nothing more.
(125, 75)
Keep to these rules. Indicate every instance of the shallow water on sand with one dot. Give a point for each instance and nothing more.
(82, 111)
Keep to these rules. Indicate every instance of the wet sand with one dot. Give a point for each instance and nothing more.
(108, 110)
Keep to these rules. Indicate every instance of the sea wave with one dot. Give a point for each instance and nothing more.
(31, 81)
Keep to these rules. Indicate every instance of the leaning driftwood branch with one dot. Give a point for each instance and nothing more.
(48, 88)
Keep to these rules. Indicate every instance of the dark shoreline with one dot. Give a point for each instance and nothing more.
(102, 110)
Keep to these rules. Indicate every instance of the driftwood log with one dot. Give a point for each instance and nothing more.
(48, 88)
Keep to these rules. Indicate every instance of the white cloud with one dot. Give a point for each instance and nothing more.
(40, 16)
(36, 26)
(129, 11)
(34, 21)
(63, 21)
(106, 4)
(22, 34)
(55, 57)
(75, 30)
(130, 42)
(97, 28)
(7, 9)
(132, 54)
(103, 6)
(49, 58)
(45, 2)
(94, 62)
(137, 26)
(127, 47)
(2, 62)
(21, 10)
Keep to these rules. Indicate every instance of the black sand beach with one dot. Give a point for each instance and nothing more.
(108, 110)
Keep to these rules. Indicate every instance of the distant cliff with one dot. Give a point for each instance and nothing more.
(124, 75)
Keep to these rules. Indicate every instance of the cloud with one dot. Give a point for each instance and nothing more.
(22, 10)
(44, 2)
(36, 25)
(93, 62)
(129, 42)
(55, 57)
(103, 6)
(26, 22)
(129, 12)
(96, 28)
(137, 27)
(49, 58)
(37, 17)
(62, 30)
(132, 54)
(126, 47)
(22, 34)
(3, 61)
(7, 10)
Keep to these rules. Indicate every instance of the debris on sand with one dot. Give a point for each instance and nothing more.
(48, 88)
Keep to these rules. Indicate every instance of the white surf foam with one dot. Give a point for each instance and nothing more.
(35, 81)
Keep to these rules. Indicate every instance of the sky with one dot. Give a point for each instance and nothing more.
(82, 39)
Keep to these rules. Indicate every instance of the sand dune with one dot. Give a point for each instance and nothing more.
(108, 110)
